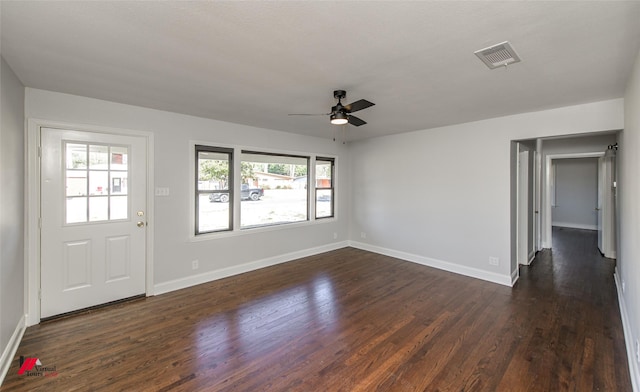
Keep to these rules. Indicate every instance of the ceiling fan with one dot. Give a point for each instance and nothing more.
(341, 114)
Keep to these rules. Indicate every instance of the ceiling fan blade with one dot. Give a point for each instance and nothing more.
(353, 120)
(308, 114)
(358, 105)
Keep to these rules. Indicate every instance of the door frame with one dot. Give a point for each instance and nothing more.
(522, 213)
(537, 194)
(606, 202)
(32, 211)
(547, 237)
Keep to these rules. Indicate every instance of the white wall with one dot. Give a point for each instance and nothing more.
(11, 209)
(443, 196)
(628, 267)
(576, 188)
(174, 249)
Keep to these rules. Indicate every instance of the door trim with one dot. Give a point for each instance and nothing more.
(32, 207)
(523, 180)
(547, 241)
(537, 194)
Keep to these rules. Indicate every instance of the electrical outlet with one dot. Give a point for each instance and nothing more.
(161, 191)
(335, 236)
(363, 234)
(494, 260)
(194, 265)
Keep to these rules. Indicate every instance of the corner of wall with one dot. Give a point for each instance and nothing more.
(12, 348)
(476, 273)
(12, 210)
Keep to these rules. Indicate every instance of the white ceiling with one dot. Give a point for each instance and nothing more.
(253, 62)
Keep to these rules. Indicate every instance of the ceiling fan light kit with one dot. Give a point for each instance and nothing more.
(339, 118)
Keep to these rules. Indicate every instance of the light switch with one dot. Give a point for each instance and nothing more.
(162, 191)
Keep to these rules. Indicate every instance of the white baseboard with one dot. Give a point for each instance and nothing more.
(575, 226)
(532, 256)
(11, 349)
(515, 275)
(634, 372)
(209, 276)
(493, 277)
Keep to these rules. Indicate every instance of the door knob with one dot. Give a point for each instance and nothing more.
(140, 224)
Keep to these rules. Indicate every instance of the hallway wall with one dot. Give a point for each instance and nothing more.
(628, 268)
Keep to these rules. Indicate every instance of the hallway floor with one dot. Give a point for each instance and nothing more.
(578, 341)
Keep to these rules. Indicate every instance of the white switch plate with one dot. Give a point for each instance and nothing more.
(162, 191)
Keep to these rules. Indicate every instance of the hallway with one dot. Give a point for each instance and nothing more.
(578, 341)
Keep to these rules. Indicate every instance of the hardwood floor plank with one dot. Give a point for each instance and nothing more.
(350, 320)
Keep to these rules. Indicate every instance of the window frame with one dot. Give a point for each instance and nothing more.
(308, 194)
(230, 188)
(316, 188)
(235, 178)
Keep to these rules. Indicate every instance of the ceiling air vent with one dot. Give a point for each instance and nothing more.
(499, 55)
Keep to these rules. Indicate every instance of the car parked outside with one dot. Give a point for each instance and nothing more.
(246, 193)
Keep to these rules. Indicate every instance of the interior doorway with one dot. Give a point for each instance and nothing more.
(571, 207)
(542, 152)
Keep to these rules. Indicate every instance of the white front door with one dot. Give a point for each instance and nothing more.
(93, 223)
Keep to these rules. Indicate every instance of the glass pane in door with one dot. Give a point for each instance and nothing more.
(96, 182)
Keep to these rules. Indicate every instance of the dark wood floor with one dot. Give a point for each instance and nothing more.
(351, 320)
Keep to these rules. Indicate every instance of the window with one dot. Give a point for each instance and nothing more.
(324, 187)
(95, 182)
(214, 189)
(274, 189)
(265, 189)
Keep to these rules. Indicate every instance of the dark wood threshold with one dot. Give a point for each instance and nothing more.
(92, 309)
